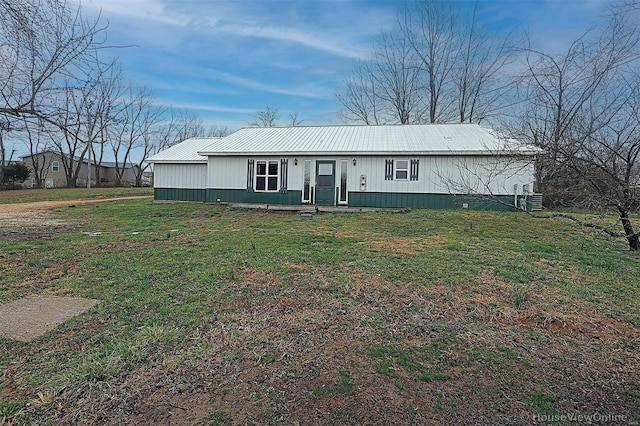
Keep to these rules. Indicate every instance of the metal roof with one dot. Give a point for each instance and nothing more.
(94, 162)
(428, 139)
(184, 152)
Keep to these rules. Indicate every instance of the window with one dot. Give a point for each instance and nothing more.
(55, 166)
(306, 189)
(325, 175)
(266, 176)
(402, 169)
(284, 171)
(405, 169)
(344, 164)
(250, 167)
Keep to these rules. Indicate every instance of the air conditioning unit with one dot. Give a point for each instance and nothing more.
(536, 202)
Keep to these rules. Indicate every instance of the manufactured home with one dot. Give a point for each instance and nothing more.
(51, 173)
(431, 166)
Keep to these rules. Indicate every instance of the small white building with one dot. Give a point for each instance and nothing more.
(180, 173)
(432, 166)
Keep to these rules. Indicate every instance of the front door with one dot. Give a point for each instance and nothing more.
(325, 183)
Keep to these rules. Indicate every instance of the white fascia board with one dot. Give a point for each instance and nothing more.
(152, 161)
(364, 153)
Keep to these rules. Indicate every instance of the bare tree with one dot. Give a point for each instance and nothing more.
(397, 75)
(177, 127)
(359, 99)
(386, 88)
(491, 179)
(44, 43)
(267, 117)
(440, 66)
(218, 132)
(147, 123)
(294, 120)
(135, 119)
(583, 109)
(69, 144)
(480, 83)
(80, 123)
(432, 32)
(5, 128)
(630, 5)
(37, 140)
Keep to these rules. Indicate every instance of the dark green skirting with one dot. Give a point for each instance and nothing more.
(243, 196)
(429, 201)
(179, 194)
(226, 196)
(356, 199)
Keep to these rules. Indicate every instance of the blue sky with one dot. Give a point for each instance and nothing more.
(225, 59)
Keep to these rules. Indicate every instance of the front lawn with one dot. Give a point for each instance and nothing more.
(214, 315)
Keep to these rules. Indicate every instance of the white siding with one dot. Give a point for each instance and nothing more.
(187, 176)
(436, 174)
(445, 175)
(227, 172)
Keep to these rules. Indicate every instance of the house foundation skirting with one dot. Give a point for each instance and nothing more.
(355, 199)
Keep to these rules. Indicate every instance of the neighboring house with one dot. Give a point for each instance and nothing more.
(51, 170)
(433, 166)
(108, 173)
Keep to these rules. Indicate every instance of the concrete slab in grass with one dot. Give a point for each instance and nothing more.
(30, 317)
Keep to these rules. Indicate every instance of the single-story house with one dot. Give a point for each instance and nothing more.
(50, 166)
(433, 166)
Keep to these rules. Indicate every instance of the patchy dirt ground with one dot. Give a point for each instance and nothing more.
(30, 317)
(13, 209)
(18, 218)
(301, 356)
(315, 349)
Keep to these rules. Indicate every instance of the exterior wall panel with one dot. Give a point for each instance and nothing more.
(179, 194)
(429, 201)
(445, 175)
(242, 196)
(227, 172)
(188, 176)
(439, 179)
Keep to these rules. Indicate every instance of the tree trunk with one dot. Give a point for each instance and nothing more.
(632, 237)
(2, 151)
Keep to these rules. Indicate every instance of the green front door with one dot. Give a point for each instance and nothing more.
(325, 183)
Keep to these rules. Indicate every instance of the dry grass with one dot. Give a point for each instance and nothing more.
(218, 316)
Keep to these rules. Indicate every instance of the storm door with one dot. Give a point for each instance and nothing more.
(325, 183)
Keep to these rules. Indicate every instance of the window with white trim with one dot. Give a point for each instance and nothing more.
(402, 169)
(266, 176)
(55, 166)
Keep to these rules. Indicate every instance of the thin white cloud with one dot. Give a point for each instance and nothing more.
(308, 37)
(205, 107)
(204, 17)
(307, 91)
(151, 10)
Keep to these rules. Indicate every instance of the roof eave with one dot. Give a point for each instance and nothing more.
(363, 153)
(152, 161)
